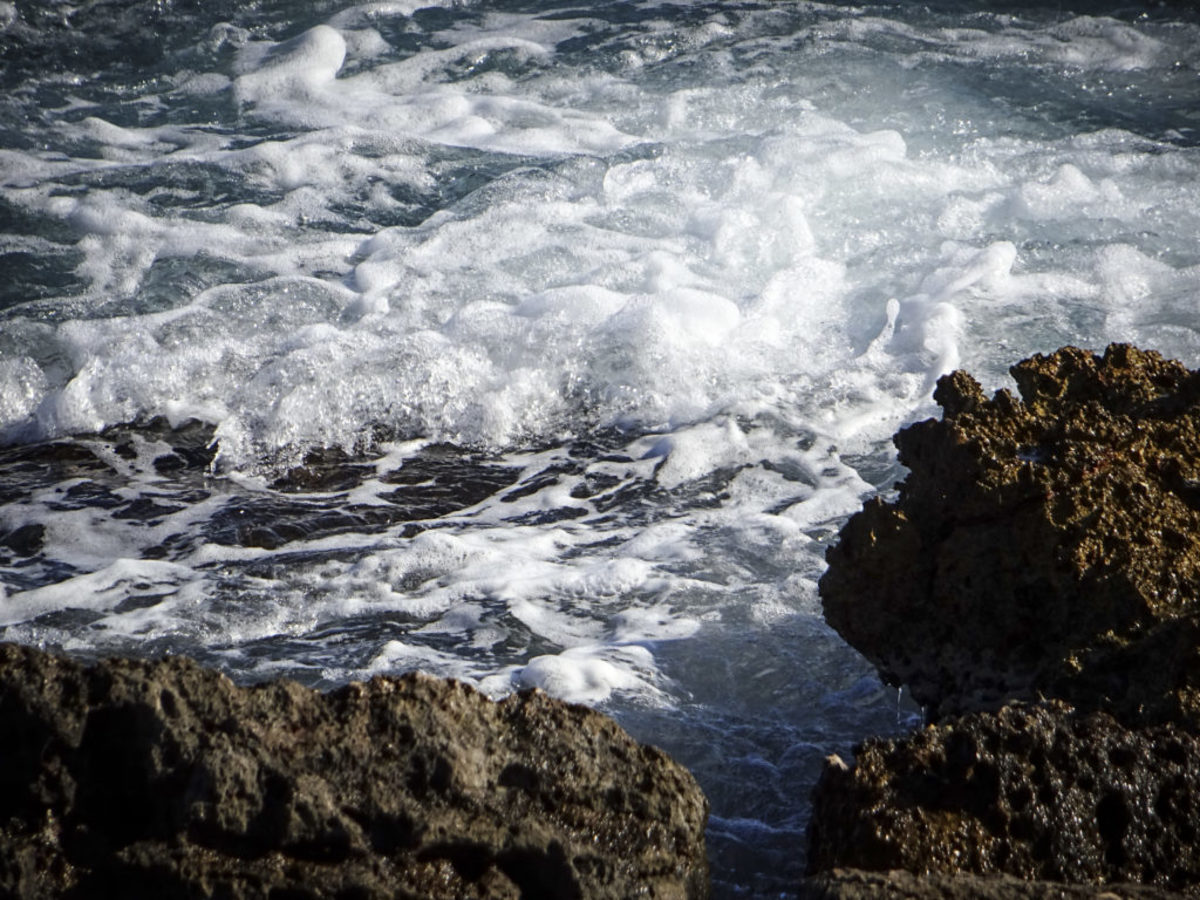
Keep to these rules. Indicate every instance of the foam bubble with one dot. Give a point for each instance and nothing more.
(290, 72)
(22, 385)
(580, 674)
(693, 452)
(1069, 193)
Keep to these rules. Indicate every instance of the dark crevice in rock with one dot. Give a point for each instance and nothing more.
(541, 874)
(470, 860)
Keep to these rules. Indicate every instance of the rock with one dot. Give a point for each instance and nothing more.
(1041, 547)
(1032, 792)
(1047, 546)
(854, 884)
(163, 779)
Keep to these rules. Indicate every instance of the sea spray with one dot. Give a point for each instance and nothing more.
(547, 345)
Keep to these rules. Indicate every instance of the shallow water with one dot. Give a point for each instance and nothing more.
(547, 344)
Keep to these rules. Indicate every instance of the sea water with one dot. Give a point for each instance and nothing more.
(548, 344)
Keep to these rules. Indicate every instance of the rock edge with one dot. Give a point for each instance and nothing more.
(153, 779)
(1046, 546)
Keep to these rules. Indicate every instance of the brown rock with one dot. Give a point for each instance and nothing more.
(1047, 546)
(854, 884)
(1032, 792)
(164, 779)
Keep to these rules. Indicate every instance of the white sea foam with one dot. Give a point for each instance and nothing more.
(753, 242)
(582, 674)
(666, 277)
(662, 289)
(100, 590)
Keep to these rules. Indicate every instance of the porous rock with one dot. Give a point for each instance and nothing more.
(1032, 792)
(163, 779)
(1047, 546)
(855, 884)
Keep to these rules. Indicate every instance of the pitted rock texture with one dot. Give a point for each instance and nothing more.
(163, 779)
(1033, 792)
(1041, 547)
(855, 884)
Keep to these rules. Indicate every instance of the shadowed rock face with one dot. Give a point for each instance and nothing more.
(855, 884)
(164, 779)
(1046, 546)
(1041, 547)
(1032, 792)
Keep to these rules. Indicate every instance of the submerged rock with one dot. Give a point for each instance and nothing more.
(1041, 547)
(164, 779)
(1033, 792)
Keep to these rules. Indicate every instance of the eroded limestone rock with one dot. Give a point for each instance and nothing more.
(1047, 546)
(163, 779)
(855, 884)
(1032, 792)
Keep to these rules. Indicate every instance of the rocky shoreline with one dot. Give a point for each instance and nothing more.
(159, 779)
(1035, 586)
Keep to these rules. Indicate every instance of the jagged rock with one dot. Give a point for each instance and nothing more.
(1047, 546)
(1034, 792)
(163, 779)
(855, 884)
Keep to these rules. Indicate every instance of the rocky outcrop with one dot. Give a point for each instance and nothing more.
(1047, 546)
(163, 779)
(856, 884)
(1035, 792)
(1036, 585)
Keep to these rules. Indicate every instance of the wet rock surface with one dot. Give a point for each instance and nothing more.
(1035, 792)
(855, 884)
(1047, 546)
(1034, 585)
(164, 779)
